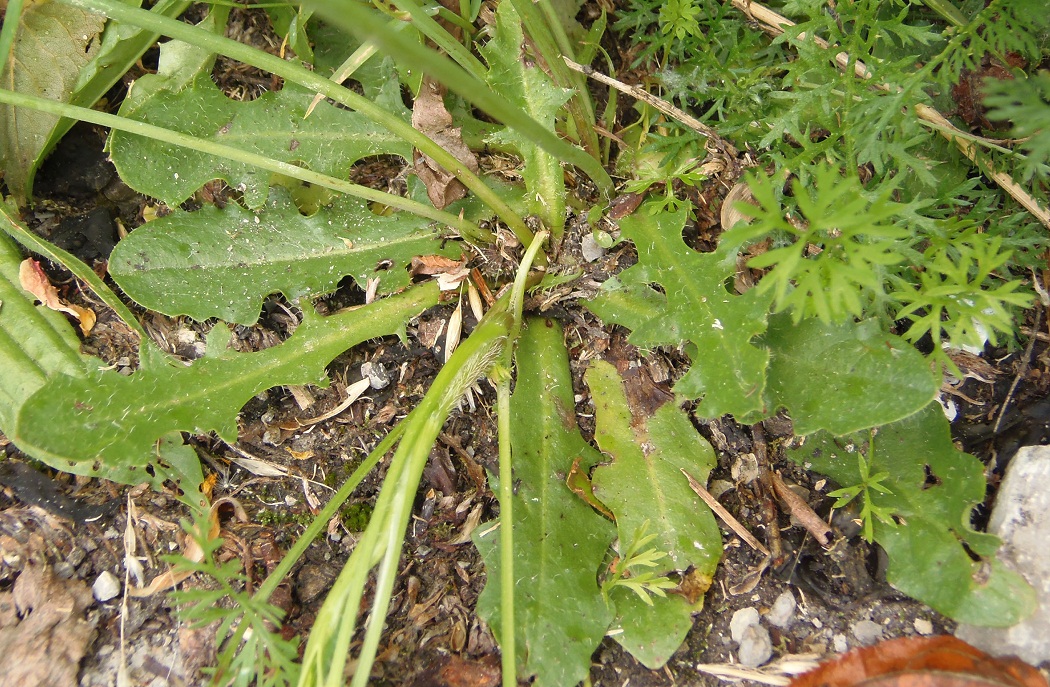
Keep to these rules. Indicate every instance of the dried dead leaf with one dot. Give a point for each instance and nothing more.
(455, 330)
(46, 645)
(192, 550)
(429, 116)
(33, 279)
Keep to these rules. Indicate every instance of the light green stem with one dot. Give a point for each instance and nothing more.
(467, 229)
(12, 15)
(442, 38)
(290, 71)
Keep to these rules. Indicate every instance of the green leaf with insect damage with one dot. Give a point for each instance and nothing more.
(113, 422)
(223, 262)
(559, 541)
(644, 487)
(183, 98)
(933, 487)
(695, 306)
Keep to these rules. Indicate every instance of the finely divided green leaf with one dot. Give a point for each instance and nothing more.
(934, 489)
(730, 375)
(844, 377)
(645, 488)
(330, 141)
(529, 88)
(223, 262)
(115, 421)
(54, 42)
(559, 541)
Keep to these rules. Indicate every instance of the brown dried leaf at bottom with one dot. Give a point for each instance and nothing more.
(430, 117)
(46, 645)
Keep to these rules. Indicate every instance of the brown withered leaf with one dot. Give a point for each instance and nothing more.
(430, 117)
(44, 647)
(942, 661)
(33, 279)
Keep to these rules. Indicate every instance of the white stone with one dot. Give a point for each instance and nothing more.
(782, 614)
(923, 627)
(756, 647)
(106, 587)
(741, 620)
(839, 643)
(590, 249)
(1021, 518)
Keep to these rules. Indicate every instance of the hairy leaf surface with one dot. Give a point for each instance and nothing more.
(934, 488)
(698, 308)
(645, 488)
(116, 421)
(559, 541)
(223, 262)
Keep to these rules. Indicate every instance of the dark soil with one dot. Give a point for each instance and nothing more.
(76, 528)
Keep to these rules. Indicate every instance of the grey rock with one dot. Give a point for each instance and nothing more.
(782, 614)
(867, 631)
(741, 620)
(1021, 518)
(756, 647)
(376, 374)
(590, 249)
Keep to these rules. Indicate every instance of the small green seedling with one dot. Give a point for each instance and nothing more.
(625, 569)
(868, 483)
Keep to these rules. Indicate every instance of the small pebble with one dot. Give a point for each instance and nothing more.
(783, 611)
(378, 377)
(590, 249)
(741, 620)
(106, 587)
(756, 647)
(867, 631)
(838, 642)
(923, 627)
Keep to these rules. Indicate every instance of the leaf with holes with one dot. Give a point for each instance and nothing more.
(696, 308)
(644, 487)
(559, 611)
(223, 262)
(183, 98)
(933, 488)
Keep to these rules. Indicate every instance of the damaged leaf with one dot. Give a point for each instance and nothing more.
(933, 489)
(694, 306)
(559, 611)
(644, 488)
(223, 262)
(430, 117)
(32, 278)
(183, 98)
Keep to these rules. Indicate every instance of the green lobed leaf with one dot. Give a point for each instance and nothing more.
(934, 488)
(113, 422)
(699, 309)
(843, 377)
(54, 42)
(222, 262)
(529, 88)
(182, 97)
(644, 487)
(559, 610)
